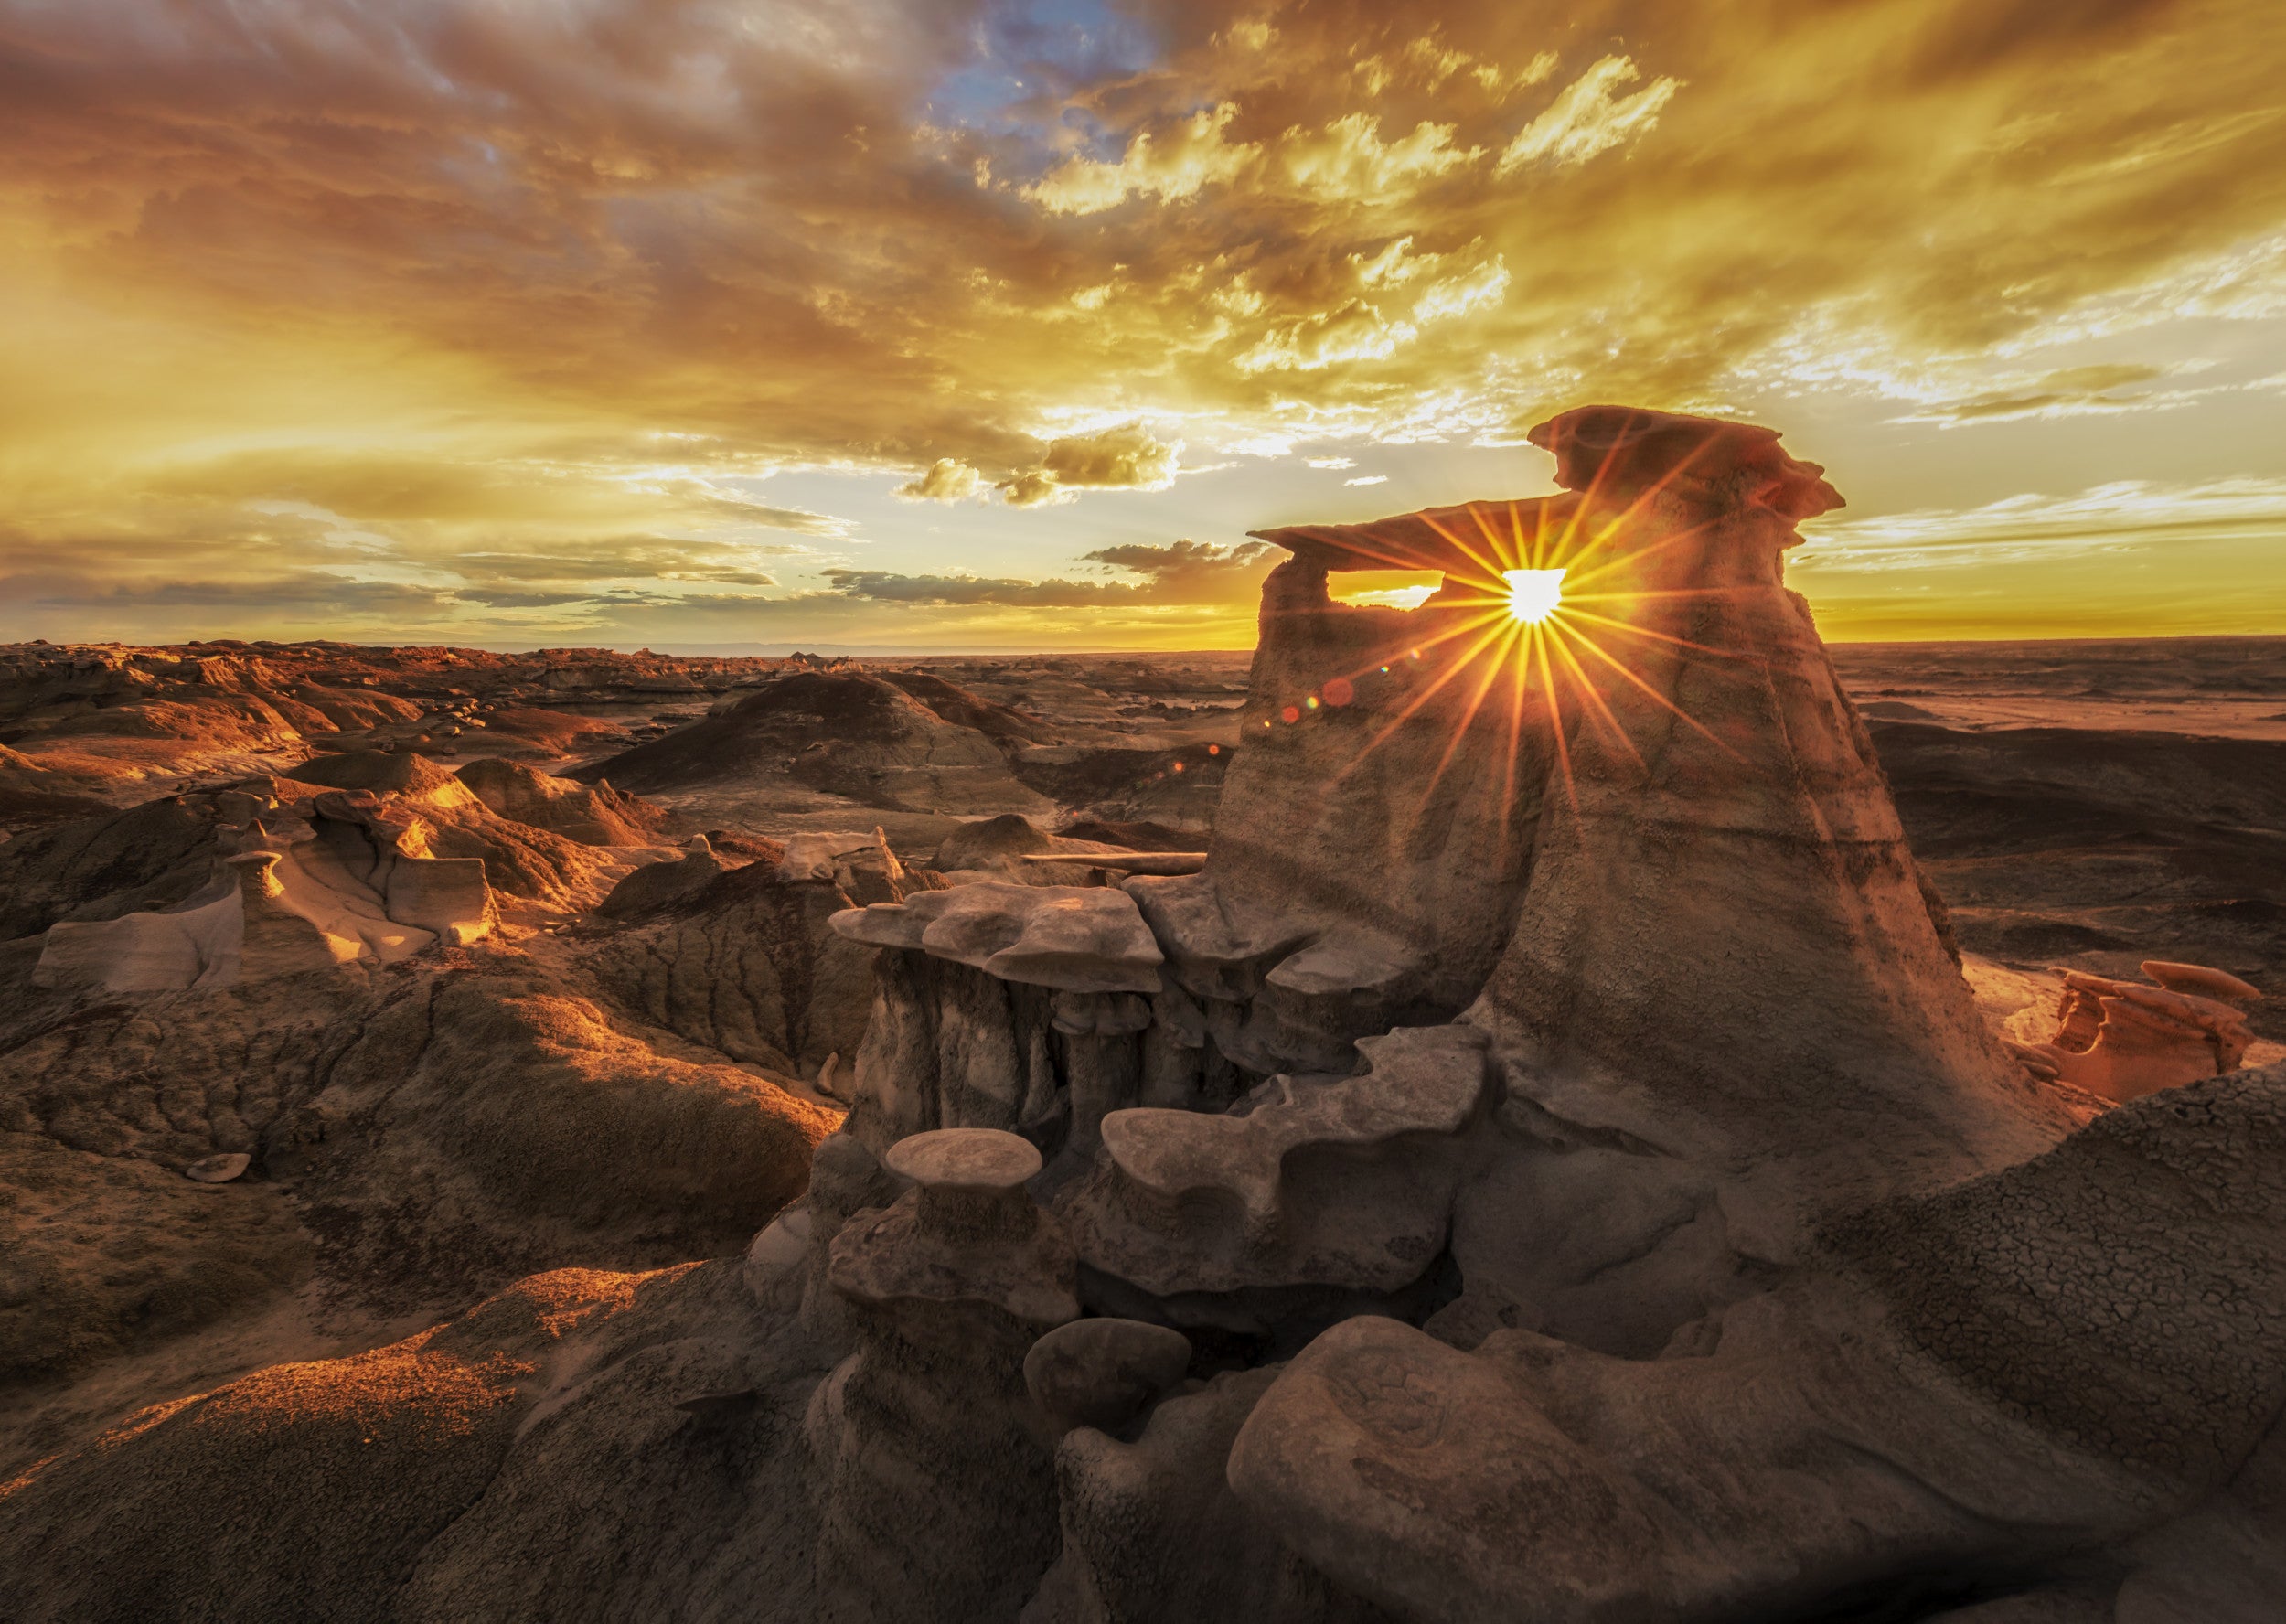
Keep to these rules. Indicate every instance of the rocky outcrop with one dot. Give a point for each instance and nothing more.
(445, 1473)
(150, 855)
(1344, 1181)
(839, 736)
(951, 1285)
(2000, 1373)
(656, 885)
(353, 881)
(418, 1136)
(1586, 1010)
(2122, 1040)
(593, 815)
(998, 847)
(1076, 939)
(521, 859)
(747, 965)
(453, 1139)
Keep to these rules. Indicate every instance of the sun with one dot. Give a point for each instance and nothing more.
(1534, 594)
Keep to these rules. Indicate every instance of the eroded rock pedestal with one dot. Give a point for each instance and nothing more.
(1504, 1112)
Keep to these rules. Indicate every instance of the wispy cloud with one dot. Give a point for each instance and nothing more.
(2125, 512)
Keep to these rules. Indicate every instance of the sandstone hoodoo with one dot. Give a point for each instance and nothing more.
(1540, 1158)
(1558, 981)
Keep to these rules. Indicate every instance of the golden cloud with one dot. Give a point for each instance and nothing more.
(1172, 574)
(1587, 119)
(398, 283)
(947, 479)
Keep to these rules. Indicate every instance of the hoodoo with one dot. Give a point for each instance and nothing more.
(1557, 1017)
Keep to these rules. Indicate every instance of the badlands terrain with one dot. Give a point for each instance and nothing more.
(587, 1134)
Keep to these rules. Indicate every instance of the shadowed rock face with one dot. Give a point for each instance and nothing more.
(1683, 890)
(1645, 849)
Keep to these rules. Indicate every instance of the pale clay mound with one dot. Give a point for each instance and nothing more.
(1533, 1171)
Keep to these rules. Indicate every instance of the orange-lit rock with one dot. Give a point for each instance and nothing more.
(2123, 1040)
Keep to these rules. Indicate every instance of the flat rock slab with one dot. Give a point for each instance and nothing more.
(1074, 938)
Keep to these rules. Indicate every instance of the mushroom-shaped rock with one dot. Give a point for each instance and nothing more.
(1616, 452)
(1626, 449)
(948, 1290)
(967, 1233)
(1100, 1372)
(971, 1181)
(1074, 938)
(1335, 1181)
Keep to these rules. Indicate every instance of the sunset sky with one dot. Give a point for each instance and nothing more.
(861, 323)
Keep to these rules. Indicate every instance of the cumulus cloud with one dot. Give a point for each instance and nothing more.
(947, 479)
(1172, 164)
(1128, 457)
(1035, 488)
(1586, 118)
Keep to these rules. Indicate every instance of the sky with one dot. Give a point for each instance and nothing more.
(997, 324)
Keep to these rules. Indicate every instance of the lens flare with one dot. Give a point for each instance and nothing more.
(1534, 594)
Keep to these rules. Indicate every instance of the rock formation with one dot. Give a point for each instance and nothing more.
(826, 739)
(1555, 1030)
(2122, 1040)
(1547, 1164)
(349, 880)
(593, 815)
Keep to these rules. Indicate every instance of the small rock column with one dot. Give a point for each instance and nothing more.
(940, 1500)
